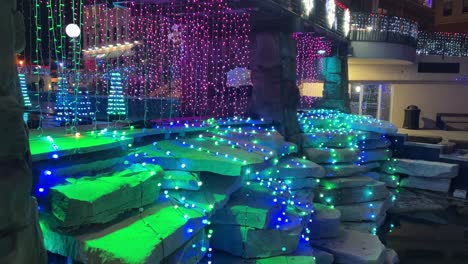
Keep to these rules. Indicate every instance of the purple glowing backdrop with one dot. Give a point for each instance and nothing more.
(180, 51)
(310, 51)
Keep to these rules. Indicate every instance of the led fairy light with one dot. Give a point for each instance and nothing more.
(116, 101)
(346, 22)
(331, 13)
(24, 90)
(308, 6)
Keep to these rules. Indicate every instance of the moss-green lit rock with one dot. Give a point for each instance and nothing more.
(100, 199)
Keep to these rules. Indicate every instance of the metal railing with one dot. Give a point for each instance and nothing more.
(382, 28)
(443, 43)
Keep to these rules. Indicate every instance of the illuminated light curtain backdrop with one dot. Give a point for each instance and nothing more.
(178, 51)
(311, 48)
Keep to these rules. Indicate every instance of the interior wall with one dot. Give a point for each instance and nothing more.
(431, 99)
(432, 92)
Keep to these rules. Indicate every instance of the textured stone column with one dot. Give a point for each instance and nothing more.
(335, 90)
(20, 235)
(275, 94)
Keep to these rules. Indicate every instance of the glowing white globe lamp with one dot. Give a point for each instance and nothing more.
(73, 30)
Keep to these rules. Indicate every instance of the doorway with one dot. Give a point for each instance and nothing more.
(371, 99)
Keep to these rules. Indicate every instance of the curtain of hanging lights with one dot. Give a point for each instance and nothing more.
(176, 51)
(310, 51)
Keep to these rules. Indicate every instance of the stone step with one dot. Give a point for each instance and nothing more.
(156, 234)
(353, 247)
(375, 155)
(249, 209)
(332, 155)
(425, 183)
(192, 252)
(346, 170)
(346, 182)
(391, 181)
(259, 136)
(371, 192)
(159, 232)
(247, 242)
(287, 168)
(101, 199)
(304, 254)
(369, 211)
(204, 154)
(365, 227)
(421, 168)
(181, 180)
(368, 144)
(325, 222)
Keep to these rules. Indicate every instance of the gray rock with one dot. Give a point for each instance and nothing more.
(431, 184)
(325, 222)
(410, 201)
(369, 211)
(421, 168)
(331, 140)
(371, 192)
(353, 247)
(331, 155)
(302, 183)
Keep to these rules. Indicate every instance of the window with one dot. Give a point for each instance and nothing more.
(447, 8)
(465, 6)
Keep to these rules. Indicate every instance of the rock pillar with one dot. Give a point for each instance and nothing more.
(20, 235)
(335, 90)
(275, 94)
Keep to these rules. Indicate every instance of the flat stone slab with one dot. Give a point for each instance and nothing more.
(304, 198)
(368, 144)
(301, 183)
(374, 125)
(344, 170)
(259, 136)
(92, 200)
(347, 182)
(421, 168)
(147, 238)
(369, 211)
(249, 242)
(204, 154)
(371, 192)
(353, 247)
(287, 169)
(299, 168)
(214, 193)
(181, 180)
(249, 209)
(431, 184)
(192, 252)
(375, 155)
(391, 181)
(330, 139)
(408, 201)
(365, 227)
(331, 155)
(325, 223)
(304, 254)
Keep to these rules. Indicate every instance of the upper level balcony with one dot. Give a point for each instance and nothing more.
(376, 36)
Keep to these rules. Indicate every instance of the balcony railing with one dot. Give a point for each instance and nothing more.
(381, 28)
(443, 43)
